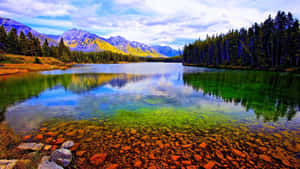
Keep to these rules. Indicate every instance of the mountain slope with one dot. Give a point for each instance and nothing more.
(166, 50)
(9, 23)
(133, 47)
(80, 40)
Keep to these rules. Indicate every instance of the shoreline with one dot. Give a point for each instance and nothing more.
(295, 70)
(14, 64)
(10, 69)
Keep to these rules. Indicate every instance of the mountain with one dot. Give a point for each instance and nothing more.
(9, 23)
(80, 40)
(54, 37)
(166, 50)
(133, 47)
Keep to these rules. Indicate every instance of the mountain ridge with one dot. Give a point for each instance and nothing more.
(82, 40)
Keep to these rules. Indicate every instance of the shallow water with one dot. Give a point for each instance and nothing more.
(153, 97)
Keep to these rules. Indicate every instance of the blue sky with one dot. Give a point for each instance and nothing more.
(163, 22)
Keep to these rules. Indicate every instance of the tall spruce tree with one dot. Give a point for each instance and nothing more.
(38, 48)
(23, 44)
(46, 49)
(30, 45)
(3, 38)
(61, 47)
(12, 44)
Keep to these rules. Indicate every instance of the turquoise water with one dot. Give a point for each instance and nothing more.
(158, 94)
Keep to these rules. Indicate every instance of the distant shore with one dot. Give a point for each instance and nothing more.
(290, 69)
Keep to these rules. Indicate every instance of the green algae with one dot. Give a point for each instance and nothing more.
(173, 118)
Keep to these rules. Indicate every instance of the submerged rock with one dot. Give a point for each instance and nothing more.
(62, 157)
(197, 157)
(133, 131)
(203, 145)
(7, 164)
(238, 153)
(26, 138)
(67, 144)
(80, 153)
(47, 147)
(220, 155)
(265, 158)
(31, 146)
(126, 148)
(175, 158)
(113, 166)
(98, 159)
(39, 137)
(46, 164)
(186, 162)
(59, 141)
(209, 165)
(138, 164)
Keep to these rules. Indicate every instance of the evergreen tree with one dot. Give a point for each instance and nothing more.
(30, 45)
(54, 51)
(46, 49)
(61, 47)
(38, 48)
(23, 43)
(3, 38)
(12, 42)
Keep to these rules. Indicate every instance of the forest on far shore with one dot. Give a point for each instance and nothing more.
(273, 44)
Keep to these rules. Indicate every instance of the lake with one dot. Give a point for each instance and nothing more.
(163, 115)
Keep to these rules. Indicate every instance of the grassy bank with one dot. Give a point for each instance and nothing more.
(12, 64)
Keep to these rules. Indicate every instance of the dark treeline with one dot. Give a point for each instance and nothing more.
(102, 57)
(29, 45)
(275, 43)
(168, 59)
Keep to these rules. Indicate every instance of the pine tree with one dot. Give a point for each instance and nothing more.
(23, 43)
(46, 49)
(61, 47)
(38, 48)
(30, 45)
(3, 38)
(12, 42)
(54, 52)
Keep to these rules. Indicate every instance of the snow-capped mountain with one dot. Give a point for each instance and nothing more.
(81, 40)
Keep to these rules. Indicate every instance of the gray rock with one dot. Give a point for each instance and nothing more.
(62, 157)
(67, 144)
(31, 146)
(46, 164)
(7, 164)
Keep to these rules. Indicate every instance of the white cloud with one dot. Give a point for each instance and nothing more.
(210, 16)
(50, 31)
(48, 22)
(154, 22)
(37, 7)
